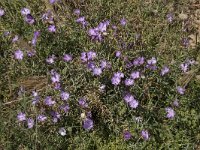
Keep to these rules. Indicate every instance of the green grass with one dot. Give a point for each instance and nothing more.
(111, 115)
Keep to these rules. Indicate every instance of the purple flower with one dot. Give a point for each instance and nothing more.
(65, 108)
(2, 12)
(52, 28)
(55, 116)
(97, 71)
(152, 61)
(62, 131)
(36, 35)
(41, 118)
(184, 67)
(135, 75)
(129, 82)
(51, 59)
(91, 55)
(180, 90)
(29, 19)
(18, 54)
(67, 57)
(77, 11)
(138, 61)
(80, 20)
(31, 53)
(164, 70)
(57, 86)
(34, 93)
(25, 11)
(170, 112)
(176, 103)
(35, 100)
(52, 1)
(55, 77)
(119, 74)
(127, 135)
(30, 123)
(129, 99)
(103, 64)
(64, 95)
(133, 104)
(118, 54)
(21, 116)
(115, 80)
(145, 134)
(82, 102)
(91, 65)
(47, 16)
(88, 124)
(170, 17)
(16, 38)
(84, 56)
(48, 101)
(123, 21)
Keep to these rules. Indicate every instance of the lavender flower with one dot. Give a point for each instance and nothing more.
(52, 28)
(185, 42)
(55, 116)
(67, 58)
(77, 11)
(21, 116)
(128, 98)
(145, 134)
(2, 12)
(88, 124)
(25, 11)
(127, 135)
(48, 101)
(64, 95)
(123, 21)
(138, 61)
(180, 90)
(65, 108)
(30, 123)
(184, 67)
(18, 54)
(176, 103)
(129, 82)
(62, 131)
(103, 64)
(55, 77)
(52, 1)
(118, 54)
(31, 53)
(82, 21)
(34, 40)
(41, 118)
(91, 55)
(152, 61)
(164, 70)
(133, 104)
(119, 74)
(135, 75)
(97, 71)
(170, 112)
(16, 38)
(170, 17)
(84, 56)
(35, 100)
(91, 65)
(29, 19)
(82, 102)
(115, 80)
(51, 59)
